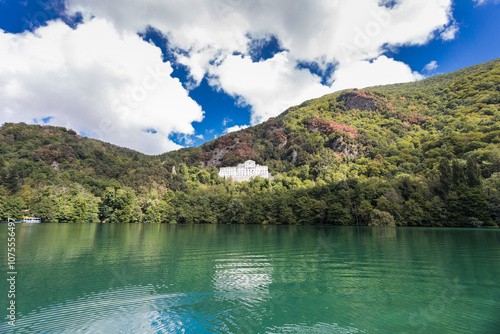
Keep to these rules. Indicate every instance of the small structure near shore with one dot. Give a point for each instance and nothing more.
(245, 171)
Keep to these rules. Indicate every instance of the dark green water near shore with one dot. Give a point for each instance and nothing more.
(102, 278)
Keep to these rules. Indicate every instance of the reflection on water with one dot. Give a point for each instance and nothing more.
(102, 278)
(249, 274)
(127, 310)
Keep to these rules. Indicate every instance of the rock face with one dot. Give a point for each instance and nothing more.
(218, 155)
(340, 146)
(55, 165)
(361, 100)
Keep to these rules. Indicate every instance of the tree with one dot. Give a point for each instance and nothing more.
(280, 212)
(473, 174)
(337, 214)
(467, 203)
(184, 171)
(381, 218)
(153, 214)
(119, 206)
(413, 214)
(365, 210)
(457, 171)
(166, 212)
(44, 204)
(445, 175)
(492, 192)
(392, 205)
(236, 210)
(13, 208)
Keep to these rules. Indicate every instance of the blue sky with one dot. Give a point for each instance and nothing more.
(168, 74)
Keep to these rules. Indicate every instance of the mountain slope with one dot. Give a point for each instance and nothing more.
(32, 153)
(356, 125)
(418, 154)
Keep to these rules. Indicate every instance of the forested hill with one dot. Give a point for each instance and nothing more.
(34, 155)
(347, 130)
(420, 154)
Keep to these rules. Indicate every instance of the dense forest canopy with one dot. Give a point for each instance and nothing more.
(417, 154)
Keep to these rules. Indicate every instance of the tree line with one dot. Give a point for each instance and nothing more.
(456, 196)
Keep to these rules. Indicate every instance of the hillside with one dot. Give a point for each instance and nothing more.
(32, 154)
(421, 154)
(348, 126)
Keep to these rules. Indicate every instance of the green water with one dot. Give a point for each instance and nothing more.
(102, 278)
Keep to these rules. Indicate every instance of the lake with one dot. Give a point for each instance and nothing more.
(141, 278)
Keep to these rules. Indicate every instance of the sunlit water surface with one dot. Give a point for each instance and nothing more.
(102, 278)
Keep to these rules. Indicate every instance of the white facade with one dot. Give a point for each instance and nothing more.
(244, 171)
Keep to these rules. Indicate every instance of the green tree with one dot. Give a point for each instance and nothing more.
(44, 204)
(467, 203)
(119, 206)
(492, 193)
(473, 174)
(365, 210)
(413, 214)
(13, 208)
(445, 176)
(236, 210)
(338, 215)
(153, 214)
(382, 218)
(457, 171)
(393, 206)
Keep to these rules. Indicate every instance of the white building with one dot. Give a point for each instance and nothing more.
(245, 171)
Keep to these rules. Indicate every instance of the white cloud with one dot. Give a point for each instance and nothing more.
(379, 71)
(94, 79)
(308, 28)
(482, 2)
(433, 65)
(198, 63)
(236, 128)
(269, 87)
(348, 33)
(449, 32)
(273, 85)
(99, 78)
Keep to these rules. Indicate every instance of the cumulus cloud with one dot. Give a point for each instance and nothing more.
(379, 71)
(269, 86)
(110, 85)
(308, 28)
(104, 80)
(273, 85)
(235, 128)
(433, 65)
(351, 34)
(449, 32)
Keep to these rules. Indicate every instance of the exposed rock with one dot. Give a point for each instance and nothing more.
(217, 156)
(349, 150)
(283, 143)
(55, 165)
(294, 156)
(361, 100)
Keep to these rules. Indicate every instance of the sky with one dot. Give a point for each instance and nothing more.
(158, 75)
